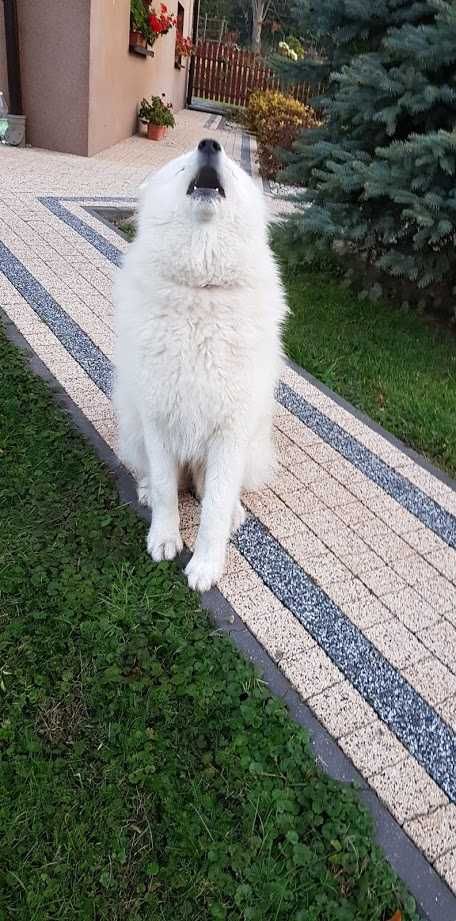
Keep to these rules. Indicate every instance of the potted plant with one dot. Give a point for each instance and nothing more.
(146, 24)
(139, 27)
(157, 114)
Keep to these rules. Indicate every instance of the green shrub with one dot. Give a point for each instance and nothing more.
(276, 120)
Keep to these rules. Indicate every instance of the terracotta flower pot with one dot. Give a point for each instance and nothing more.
(137, 39)
(156, 132)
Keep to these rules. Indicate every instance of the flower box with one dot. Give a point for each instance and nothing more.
(137, 39)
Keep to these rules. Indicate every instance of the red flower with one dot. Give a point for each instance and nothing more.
(161, 23)
(155, 23)
(184, 46)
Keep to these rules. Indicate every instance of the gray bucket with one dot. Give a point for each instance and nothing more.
(15, 136)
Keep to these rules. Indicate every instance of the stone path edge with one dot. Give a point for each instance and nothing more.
(426, 509)
(394, 700)
(435, 900)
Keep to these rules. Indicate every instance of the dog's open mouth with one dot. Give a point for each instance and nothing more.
(206, 183)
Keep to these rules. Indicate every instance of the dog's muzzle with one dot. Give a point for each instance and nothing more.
(207, 182)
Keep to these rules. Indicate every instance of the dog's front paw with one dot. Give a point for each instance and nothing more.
(203, 571)
(163, 544)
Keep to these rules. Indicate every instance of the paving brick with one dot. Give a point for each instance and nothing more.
(280, 633)
(330, 491)
(383, 581)
(325, 569)
(446, 867)
(425, 541)
(367, 612)
(349, 592)
(432, 680)
(435, 834)
(441, 640)
(396, 643)
(445, 561)
(323, 454)
(411, 609)
(341, 709)
(367, 561)
(407, 790)
(303, 545)
(373, 748)
(311, 673)
(447, 711)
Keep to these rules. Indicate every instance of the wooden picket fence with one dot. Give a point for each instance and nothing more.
(225, 73)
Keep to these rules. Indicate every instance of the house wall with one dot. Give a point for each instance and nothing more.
(119, 80)
(3, 70)
(80, 84)
(54, 50)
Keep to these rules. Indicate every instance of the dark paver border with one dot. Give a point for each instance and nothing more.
(426, 509)
(399, 705)
(418, 459)
(73, 338)
(435, 900)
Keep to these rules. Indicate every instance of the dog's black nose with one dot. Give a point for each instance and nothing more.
(209, 148)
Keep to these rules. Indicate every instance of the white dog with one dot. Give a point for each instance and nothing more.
(199, 312)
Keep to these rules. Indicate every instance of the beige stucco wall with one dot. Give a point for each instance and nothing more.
(119, 80)
(54, 49)
(80, 84)
(3, 71)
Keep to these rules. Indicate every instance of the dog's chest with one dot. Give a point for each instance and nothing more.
(197, 354)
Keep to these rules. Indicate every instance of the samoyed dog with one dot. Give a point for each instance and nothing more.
(199, 308)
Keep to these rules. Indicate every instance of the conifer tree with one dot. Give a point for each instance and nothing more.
(380, 173)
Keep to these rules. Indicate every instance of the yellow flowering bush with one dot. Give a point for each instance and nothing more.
(276, 120)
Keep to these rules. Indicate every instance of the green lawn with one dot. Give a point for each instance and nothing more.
(145, 772)
(127, 227)
(395, 366)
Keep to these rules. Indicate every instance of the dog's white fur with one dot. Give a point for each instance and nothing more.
(199, 308)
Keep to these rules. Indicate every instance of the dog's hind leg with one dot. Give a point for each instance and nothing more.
(131, 445)
(260, 464)
(198, 474)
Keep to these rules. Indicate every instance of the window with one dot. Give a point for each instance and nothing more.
(179, 34)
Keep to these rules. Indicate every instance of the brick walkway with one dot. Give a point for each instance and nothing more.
(346, 568)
